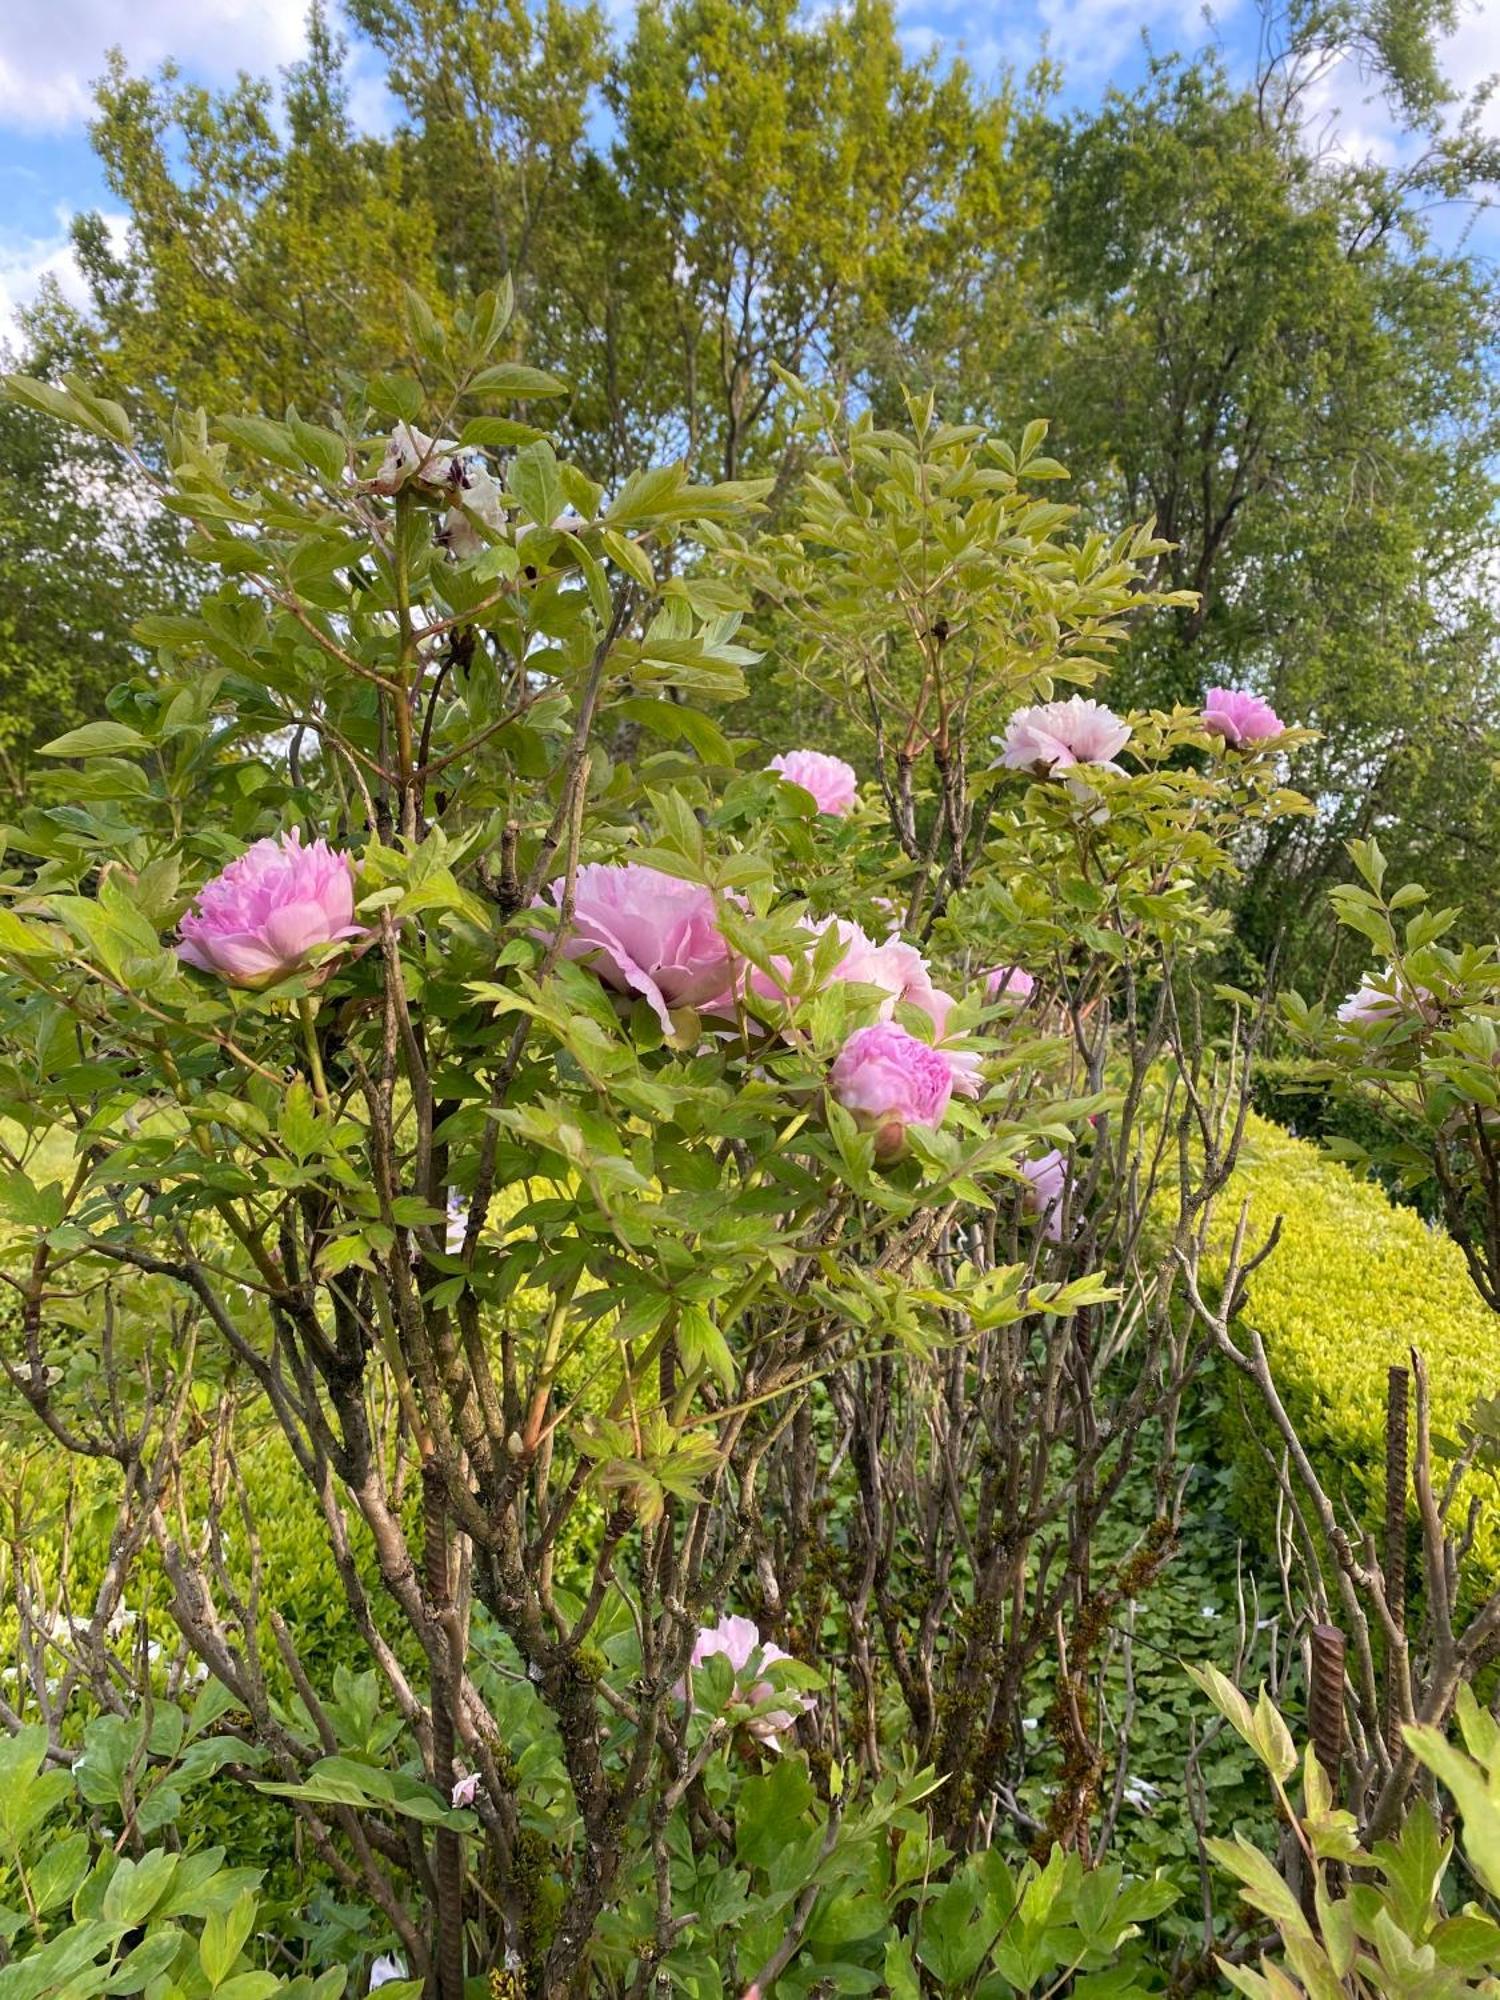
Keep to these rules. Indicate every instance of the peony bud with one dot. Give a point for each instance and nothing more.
(1241, 719)
(833, 783)
(890, 1080)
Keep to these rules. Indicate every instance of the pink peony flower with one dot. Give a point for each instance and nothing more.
(833, 783)
(1056, 735)
(1383, 999)
(1240, 718)
(739, 1640)
(1009, 983)
(1047, 1185)
(890, 1080)
(648, 933)
(257, 921)
(894, 967)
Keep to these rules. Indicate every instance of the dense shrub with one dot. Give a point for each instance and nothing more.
(644, 1191)
(1290, 1091)
(1353, 1285)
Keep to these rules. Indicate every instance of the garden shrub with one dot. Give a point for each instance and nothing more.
(1290, 1091)
(663, 1151)
(1355, 1283)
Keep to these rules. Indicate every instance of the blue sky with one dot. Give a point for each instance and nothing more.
(51, 50)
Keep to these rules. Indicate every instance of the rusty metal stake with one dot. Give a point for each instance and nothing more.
(1398, 1385)
(447, 1982)
(1325, 1708)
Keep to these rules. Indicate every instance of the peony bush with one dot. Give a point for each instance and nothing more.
(685, 1216)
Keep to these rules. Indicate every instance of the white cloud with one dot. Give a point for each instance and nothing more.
(1471, 55)
(1346, 117)
(1346, 113)
(1092, 38)
(26, 261)
(51, 50)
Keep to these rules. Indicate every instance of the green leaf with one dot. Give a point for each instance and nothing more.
(1263, 1887)
(647, 495)
(900, 1971)
(153, 1956)
(514, 378)
(223, 1939)
(702, 1345)
(97, 739)
(30, 1206)
(56, 1877)
(1273, 1739)
(533, 479)
(23, 940)
(136, 1887)
(249, 1986)
(631, 557)
(497, 433)
(771, 1813)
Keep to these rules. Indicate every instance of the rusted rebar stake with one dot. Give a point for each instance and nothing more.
(1325, 1708)
(1398, 1385)
(447, 1982)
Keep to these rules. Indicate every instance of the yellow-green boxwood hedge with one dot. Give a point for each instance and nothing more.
(1354, 1283)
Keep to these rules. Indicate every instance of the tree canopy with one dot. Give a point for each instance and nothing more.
(1231, 326)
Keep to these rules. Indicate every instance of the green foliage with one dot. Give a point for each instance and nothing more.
(1295, 1092)
(1387, 1921)
(1301, 382)
(1301, 392)
(250, 1222)
(82, 1911)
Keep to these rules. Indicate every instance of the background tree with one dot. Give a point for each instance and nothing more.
(267, 245)
(82, 555)
(1230, 325)
(1260, 345)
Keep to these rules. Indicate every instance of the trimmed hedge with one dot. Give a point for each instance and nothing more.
(1353, 1284)
(1283, 1091)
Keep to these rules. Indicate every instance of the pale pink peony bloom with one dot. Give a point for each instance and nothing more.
(1009, 983)
(477, 505)
(1383, 999)
(1240, 718)
(466, 1791)
(648, 933)
(964, 1065)
(1046, 1187)
(833, 783)
(1368, 1003)
(889, 1080)
(739, 1641)
(1056, 735)
(411, 454)
(257, 921)
(893, 967)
